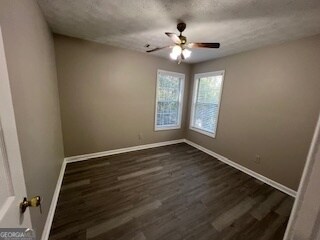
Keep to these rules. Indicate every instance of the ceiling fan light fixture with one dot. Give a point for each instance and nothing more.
(186, 53)
(179, 49)
(176, 50)
(173, 56)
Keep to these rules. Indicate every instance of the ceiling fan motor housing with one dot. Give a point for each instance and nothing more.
(181, 27)
(183, 39)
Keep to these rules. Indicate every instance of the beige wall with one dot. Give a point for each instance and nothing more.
(107, 96)
(270, 104)
(31, 65)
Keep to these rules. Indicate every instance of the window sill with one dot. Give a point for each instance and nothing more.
(166, 128)
(209, 134)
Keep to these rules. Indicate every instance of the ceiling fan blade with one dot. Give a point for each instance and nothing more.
(174, 37)
(157, 49)
(204, 45)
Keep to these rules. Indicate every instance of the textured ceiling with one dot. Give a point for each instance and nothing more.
(239, 25)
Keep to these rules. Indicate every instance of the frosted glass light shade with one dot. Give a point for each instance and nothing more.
(186, 53)
(176, 50)
(173, 56)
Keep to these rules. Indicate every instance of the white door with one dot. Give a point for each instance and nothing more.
(12, 184)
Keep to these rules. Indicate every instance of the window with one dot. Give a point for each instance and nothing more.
(206, 102)
(169, 97)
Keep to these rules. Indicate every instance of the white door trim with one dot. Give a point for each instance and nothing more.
(303, 183)
(53, 205)
(12, 148)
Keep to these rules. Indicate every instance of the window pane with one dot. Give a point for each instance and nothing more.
(168, 100)
(206, 108)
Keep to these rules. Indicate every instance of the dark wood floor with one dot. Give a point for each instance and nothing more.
(171, 192)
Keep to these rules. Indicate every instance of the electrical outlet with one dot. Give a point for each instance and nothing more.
(257, 160)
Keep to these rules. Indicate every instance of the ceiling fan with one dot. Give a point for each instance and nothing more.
(180, 50)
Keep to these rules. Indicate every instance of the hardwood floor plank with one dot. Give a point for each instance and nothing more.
(139, 236)
(139, 173)
(265, 207)
(285, 207)
(75, 184)
(150, 157)
(272, 229)
(227, 218)
(86, 168)
(121, 219)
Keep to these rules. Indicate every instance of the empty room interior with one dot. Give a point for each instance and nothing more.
(160, 119)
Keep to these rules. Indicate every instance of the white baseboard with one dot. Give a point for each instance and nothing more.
(54, 201)
(245, 170)
(120, 150)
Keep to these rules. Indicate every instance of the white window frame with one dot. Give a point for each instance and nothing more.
(194, 98)
(170, 127)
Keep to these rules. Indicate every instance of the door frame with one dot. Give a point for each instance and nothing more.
(305, 180)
